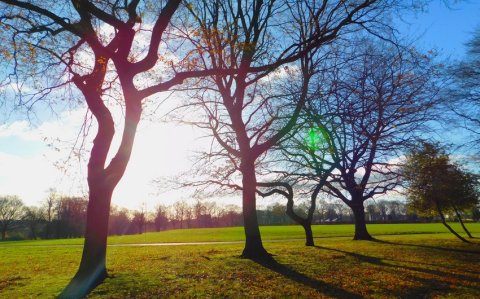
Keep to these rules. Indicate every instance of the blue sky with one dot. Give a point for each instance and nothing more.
(442, 28)
(27, 162)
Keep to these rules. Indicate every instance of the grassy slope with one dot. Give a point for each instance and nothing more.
(420, 265)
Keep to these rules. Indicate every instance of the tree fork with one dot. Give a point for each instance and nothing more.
(439, 209)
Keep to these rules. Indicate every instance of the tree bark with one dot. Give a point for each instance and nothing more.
(92, 270)
(308, 234)
(461, 222)
(306, 223)
(361, 232)
(439, 209)
(253, 242)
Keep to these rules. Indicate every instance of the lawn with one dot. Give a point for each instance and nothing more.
(426, 263)
(268, 233)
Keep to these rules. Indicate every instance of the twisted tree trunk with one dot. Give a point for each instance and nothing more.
(101, 182)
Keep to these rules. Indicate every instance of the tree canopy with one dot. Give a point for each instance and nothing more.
(436, 186)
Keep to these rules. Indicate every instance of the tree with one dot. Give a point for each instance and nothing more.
(230, 215)
(180, 211)
(305, 222)
(108, 50)
(434, 185)
(375, 101)
(298, 152)
(70, 218)
(34, 216)
(49, 207)
(463, 192)
(119, 221)
(161, 217)
(249, 112)
(463, 94)
(138, 222)
(11, 210)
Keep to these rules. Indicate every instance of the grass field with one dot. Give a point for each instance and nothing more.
(418, 261)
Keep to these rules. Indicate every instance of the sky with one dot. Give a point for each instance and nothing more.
(30, 165)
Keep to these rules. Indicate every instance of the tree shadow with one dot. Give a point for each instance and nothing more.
(380, 262)
(430, 247)
(320, 286)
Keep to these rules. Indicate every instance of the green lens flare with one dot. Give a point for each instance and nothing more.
(317, 139)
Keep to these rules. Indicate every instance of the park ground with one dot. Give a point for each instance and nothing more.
(406, 261)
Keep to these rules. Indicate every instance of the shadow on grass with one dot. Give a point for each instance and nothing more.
(430, 286)
(320, 286)
(429, 247)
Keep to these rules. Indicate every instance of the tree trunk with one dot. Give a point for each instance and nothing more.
(253, 241)
(101, 182)
(308, 234)
(4, 233)
(306, 223)
(92, 270)
(47, 230)
(461, 222)
(439, 209)
(361, 232)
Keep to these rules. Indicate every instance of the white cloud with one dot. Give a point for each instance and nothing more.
(160, 149)
(28, 177)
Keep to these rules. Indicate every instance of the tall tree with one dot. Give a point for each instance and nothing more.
(11, 210)
(435, 186)
(377, 98)
(248, 112)
(107, 50)
(49, 207)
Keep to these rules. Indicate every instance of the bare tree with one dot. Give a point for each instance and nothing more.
(109, 51)
(49, 207)
(139, 222)
(70, 217)
(248, 112)
(463, 94)
(376, 101)
(180, 211)
(119, 221)
(34, 217)
(11, 210)
(161, 217)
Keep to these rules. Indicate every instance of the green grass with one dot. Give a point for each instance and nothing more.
(268, 233)
(419, 265)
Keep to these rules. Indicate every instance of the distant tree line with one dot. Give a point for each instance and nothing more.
(64, 216)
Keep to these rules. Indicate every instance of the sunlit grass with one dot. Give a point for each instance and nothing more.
(428, 263)
(268, 233)
(422, 265)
